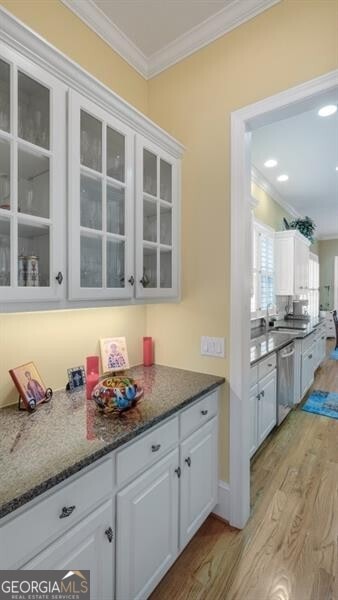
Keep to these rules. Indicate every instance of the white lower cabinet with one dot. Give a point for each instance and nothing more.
(161, 499)
(308, 363)
(198, 479)
(86, 546)
(147, 529)
(267, 409)
(253, 400)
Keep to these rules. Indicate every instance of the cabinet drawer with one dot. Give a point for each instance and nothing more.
(253, 375)
(267, 365)
(144, 452)
(197, 414)
(26, 534)
(308, 341)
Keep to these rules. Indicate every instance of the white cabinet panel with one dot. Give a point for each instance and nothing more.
(308, 363)
(147, 529)
(157, 214)
(198, 479)
(253, 408)
(267, 409)
(101, 213)
(291, 263)
(32, 182)
(87, 546)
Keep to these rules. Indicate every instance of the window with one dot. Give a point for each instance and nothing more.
(313, 293)
(263, 294)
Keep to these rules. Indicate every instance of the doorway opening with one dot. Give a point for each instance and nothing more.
(244, 123)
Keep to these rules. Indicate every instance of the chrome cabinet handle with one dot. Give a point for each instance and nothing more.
(258, 396)
(155, 447)
(204, 412)
(66, 511)
(188, 461)
(262, 393)
(109, 534)
(131, 280)
(178, 472)
(270, 365)
(310, 355)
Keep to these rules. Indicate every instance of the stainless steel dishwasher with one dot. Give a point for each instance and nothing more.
(285, 381)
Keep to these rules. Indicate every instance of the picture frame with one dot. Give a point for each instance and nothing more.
(114, 354)
(76, 378)
(32, 390)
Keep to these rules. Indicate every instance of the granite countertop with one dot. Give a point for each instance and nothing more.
(264, 344)
(40, 449)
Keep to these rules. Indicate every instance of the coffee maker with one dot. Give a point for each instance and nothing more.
(300, 309)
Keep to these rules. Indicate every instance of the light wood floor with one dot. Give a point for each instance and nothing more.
(289, 548)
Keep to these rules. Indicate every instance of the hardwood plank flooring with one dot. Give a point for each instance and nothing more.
(289, 548)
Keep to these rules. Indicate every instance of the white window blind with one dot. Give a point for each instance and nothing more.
(263, 294)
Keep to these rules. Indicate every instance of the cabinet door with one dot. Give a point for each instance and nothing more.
(301, 259)
(101, 151)
(253, 400)
(32, 181)
(86, 546)
(199, 466)
(147, 529)
(267, 405)
(308, 362)
(157, 199)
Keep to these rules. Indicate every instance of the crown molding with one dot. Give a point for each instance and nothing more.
(27, 42)
(95, 18)
(230, 17)
(264, 184)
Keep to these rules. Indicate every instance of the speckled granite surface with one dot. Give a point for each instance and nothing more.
(41, 449)
(266, 344)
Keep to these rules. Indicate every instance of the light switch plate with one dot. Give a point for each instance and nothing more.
(213, 346)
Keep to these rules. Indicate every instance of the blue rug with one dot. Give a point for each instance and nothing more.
(334, 354)
(322, 403)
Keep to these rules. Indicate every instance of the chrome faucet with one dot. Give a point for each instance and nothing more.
(266, 319)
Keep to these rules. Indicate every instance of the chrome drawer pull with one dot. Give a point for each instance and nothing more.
(188, 461)
(204, 412)
(66, 511)
(262, 393)
(155, 447)
(109, 534)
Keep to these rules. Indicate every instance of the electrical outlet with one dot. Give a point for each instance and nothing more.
(212, 346)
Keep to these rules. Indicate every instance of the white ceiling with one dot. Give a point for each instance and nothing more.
(306, 148)
(154, 34)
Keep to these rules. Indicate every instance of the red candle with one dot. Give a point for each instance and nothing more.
(148, 351)
(92, 375)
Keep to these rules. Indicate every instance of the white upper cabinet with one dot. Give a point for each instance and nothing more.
(32, 181)
(119, 211)
(292, 256)
(157, 202)
(101, 198)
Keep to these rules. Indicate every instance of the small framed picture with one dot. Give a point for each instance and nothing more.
(76, 378)
(114, 354)
(29, 385)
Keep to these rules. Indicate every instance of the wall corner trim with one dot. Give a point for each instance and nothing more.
(222, 508)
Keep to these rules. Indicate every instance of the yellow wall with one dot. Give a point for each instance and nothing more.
(268, 211)
(57, 340)
(292, 42)
(328, 249)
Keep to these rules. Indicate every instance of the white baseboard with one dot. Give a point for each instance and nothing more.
(222, 509)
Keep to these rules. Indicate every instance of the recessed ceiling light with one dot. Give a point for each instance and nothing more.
(282, 177)
(328, 110)
(270, 163)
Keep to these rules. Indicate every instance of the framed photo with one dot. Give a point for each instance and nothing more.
(114, 354)
(30, 386)
(76, 378)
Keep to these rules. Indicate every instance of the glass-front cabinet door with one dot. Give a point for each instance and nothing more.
(157, 197)
(101, 183)
(32, 175)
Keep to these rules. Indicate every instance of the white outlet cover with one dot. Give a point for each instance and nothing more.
(212, 346)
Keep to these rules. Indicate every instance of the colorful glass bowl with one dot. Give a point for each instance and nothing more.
(116, 393)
